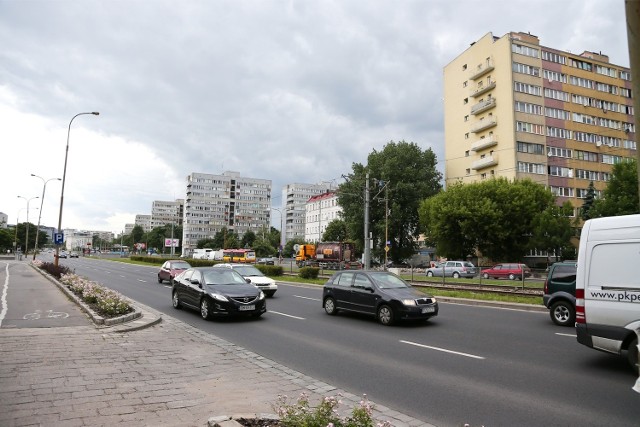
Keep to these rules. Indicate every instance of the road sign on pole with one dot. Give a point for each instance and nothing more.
(58, 238)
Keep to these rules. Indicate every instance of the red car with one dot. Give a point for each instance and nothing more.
(510, 271)
(171, 269)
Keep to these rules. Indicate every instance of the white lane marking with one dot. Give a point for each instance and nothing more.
(122, 276)
(4, 295)
(143, 281)
(312, 299)
(566, 335)
(287, 315)
(443, 350)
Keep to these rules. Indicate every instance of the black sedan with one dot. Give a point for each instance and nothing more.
(217, 292)
(378, 293)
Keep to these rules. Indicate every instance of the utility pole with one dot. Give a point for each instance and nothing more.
(632, 10)
(366, 258)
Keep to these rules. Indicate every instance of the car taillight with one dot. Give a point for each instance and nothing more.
(581, 316)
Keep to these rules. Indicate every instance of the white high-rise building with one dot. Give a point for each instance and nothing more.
(294, 199)
(228, 200)
(165, 212)
(320, 211)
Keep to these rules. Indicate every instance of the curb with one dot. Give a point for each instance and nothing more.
(139, 319)
(231, 421)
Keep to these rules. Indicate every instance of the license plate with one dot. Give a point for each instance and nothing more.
(428, 309)
(247, 307)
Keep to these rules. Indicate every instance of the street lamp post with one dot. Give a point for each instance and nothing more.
(64, 176)
(26, 240)
(44, 187)
(282, 236)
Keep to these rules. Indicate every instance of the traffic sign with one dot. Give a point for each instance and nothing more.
(58, 238)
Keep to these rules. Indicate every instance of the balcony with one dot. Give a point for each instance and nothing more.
(487, 161)
(483, 106)
(481, 70)
(484, 89)
(484, 124)
(483, 143)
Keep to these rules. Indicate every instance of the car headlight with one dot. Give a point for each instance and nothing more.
(261, 295)
(219, 297)
(433, 300)
(409, 302)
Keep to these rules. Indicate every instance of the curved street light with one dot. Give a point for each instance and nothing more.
(44, 187)
(64, 176)
(26, 240)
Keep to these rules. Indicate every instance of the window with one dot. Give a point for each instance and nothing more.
(561, 171)
(465, 101)
(556, 94)
(468, 171)
(583, 65)
(611, 160)
(582, 82)
(558, 132)
(525, 107)
(559, 152)
(466, 118)
(345, 279)
(625, 75)
(527, 88)
(525, 50)
(556, 113)
(466, 153)
(586, 156)
(464, 84)
(526, 69)
(554, 57)
(562, 191)
(530, 128)
(587, 174)
(464, 67)
(535, 168)
(606, 71)
(531, 148)
(554, 76)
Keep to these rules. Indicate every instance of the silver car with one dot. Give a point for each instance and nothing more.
(453, 269)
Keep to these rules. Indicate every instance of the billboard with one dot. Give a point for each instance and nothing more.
(169, 243)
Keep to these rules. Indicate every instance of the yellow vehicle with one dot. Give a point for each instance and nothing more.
(305, 253)
(239, 255)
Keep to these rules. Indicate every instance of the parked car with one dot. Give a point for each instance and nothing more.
(62, 254)
(74, 255)
(265, 261)
(378, 293)
(560, 293)
(507, 270)
(453, 269)
(171, 268)
(217, 292)
(255, 276)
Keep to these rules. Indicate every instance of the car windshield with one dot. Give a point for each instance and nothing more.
(388, 281)
(248, 270)
(180, 266)
(223, 277)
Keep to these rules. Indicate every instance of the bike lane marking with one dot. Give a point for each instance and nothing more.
(3, 299)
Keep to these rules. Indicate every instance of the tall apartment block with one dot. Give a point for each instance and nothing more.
(294, 199)
(143, 221)
(214, 202)
(167, 212)
(516, 109)
(320, 211)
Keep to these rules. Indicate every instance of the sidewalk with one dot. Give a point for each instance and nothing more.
(142, 373)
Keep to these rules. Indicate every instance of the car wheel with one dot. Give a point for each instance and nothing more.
(176, 301)
(159, 279)
(485, 276)
(562, 313)
(385, 315)
(456, 275)
(512, 276)
(205, 309)
(330, 306)
(632, 355)
(429, 273)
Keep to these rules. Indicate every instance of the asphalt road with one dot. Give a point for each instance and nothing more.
(471, 364)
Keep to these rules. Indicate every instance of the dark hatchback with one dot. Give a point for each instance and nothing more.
(377, 293)
(217, 292)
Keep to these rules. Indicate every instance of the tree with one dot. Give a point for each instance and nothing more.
(405, 175)
(493, 217)
(248, 238)
(288, 247)
(6, 239)
(136, 234)
(552, 229)
(585, 210)
(620, 197)
(336, 231)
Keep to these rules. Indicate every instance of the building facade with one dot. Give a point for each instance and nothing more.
(214, 202)
(516, 109)
(319, 212)
(144, 221)
(165, 212)
(294, 200)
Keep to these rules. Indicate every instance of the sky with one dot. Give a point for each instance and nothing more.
(290, 91)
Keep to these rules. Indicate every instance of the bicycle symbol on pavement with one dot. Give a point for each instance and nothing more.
(48, 314)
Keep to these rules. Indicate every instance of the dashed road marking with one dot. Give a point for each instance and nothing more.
(473, 356)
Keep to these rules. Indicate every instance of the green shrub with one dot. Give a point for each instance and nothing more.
(51, 268)
(270, 270)
(309, 272)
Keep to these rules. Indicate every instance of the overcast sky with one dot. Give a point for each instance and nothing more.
(291, 91)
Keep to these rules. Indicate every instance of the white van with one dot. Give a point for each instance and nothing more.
(608, 285)
(201, 253)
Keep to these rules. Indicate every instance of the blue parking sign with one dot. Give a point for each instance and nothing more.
(58, 238)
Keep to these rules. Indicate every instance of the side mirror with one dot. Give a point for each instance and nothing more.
(247, 280)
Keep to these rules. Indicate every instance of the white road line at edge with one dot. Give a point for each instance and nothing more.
(4, 295)
(286, 315)
(443, 350)
(143, 281)
(566, 335)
